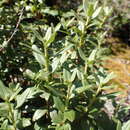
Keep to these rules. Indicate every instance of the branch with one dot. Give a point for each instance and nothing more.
(15, 30)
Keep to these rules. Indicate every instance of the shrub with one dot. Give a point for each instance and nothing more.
(65, 81)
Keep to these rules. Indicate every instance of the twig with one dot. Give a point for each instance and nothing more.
(17, 25)
(14, 32)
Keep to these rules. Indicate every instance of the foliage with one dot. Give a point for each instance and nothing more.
(53, 68)
(119, 17)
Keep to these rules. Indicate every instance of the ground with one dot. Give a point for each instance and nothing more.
(119, 63)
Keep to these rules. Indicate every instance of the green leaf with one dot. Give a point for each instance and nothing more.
(73, 55)
(38, 55)
(119, 125)
(108, 78)
(126, 125)
(48, 34)
(23, 97)
(29, 73)
(82, 89)
(4, 109)
(25, 122)
(90, 9)
(96, 4)
(79, 74)
(70, 22)
(45, 95)
(57, 117)
(39, 113)
(64, 127)
(14, 95)
(64, 57)
(73, 76)
(4, 125)
(85, 5)
(52, 38)
(82, 55)
(55, 63)
(37, 34)
(59, 104)
(70, 115)
(81, 26)
(58, 26)
(112, 95)
(50, 11)
(42, 75)
(5, 92)
(96, 12)
(66, 75)
(68, 47)
(107, 10)
(55, 91)
(92, 56)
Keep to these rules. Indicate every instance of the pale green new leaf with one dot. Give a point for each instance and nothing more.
(39, 113)
(96, 12)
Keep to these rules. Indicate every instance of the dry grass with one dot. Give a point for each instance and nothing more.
(119, 63)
